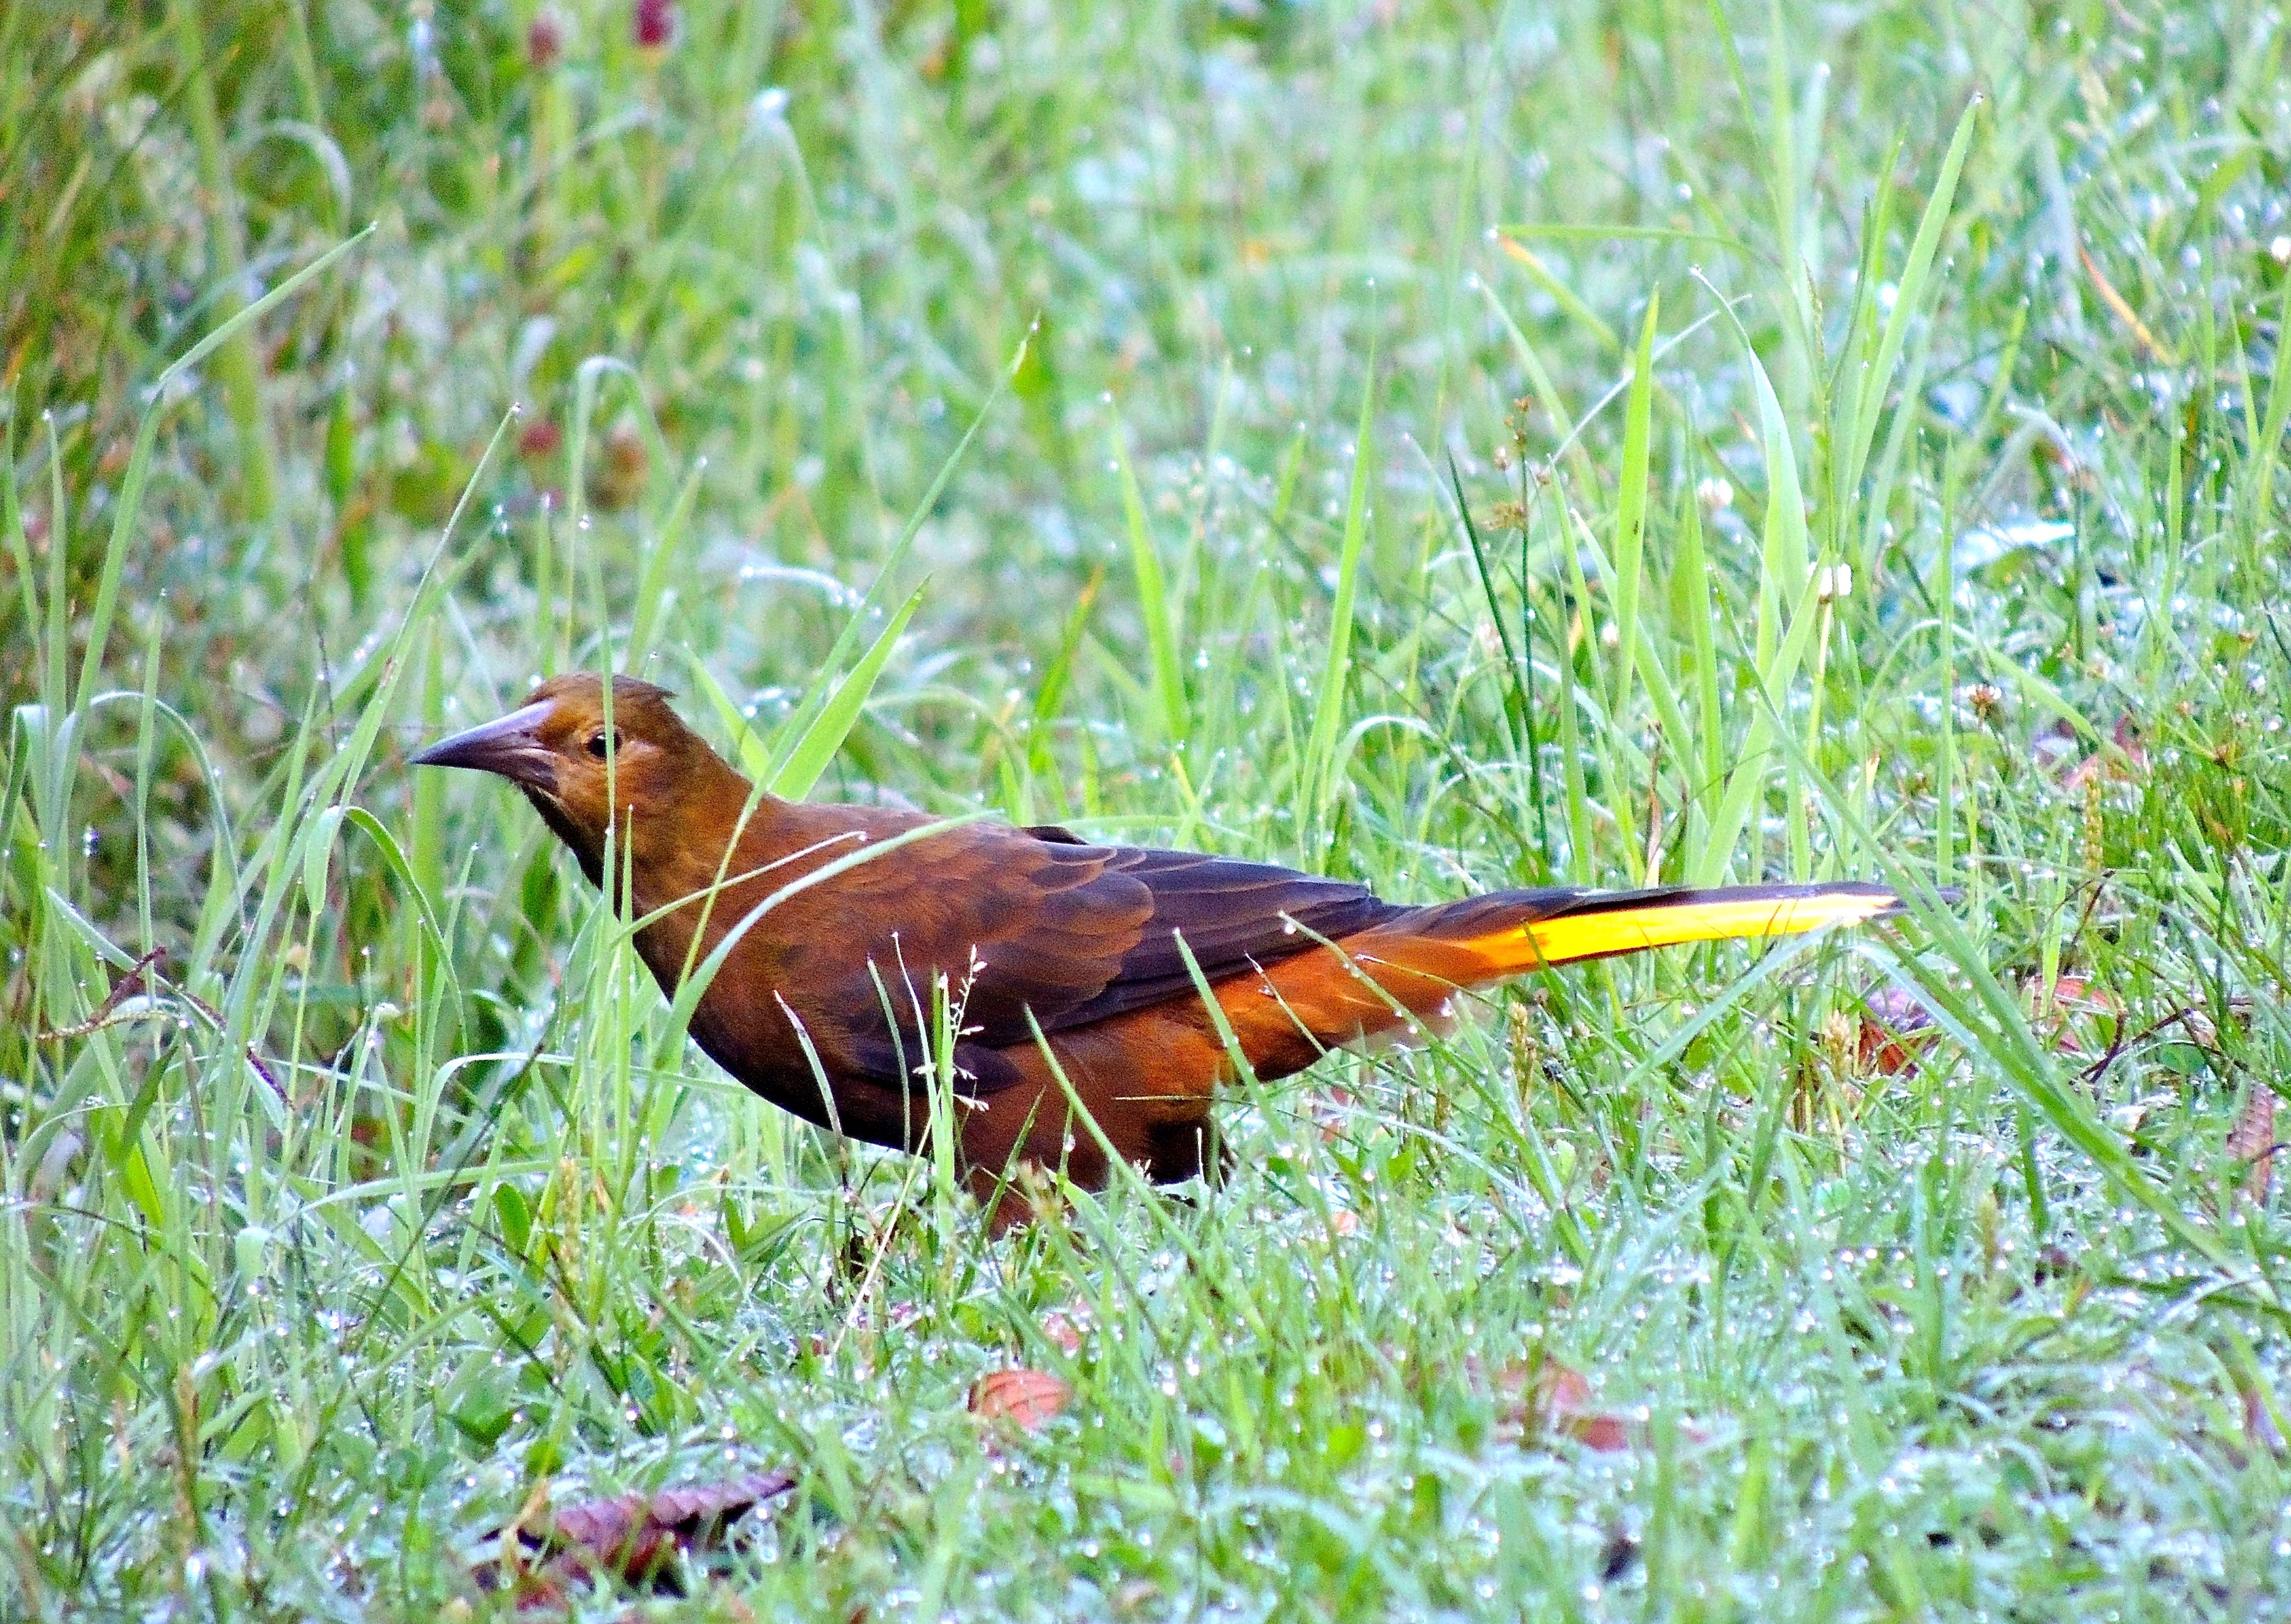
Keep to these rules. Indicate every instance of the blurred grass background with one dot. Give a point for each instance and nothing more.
(1451, 445)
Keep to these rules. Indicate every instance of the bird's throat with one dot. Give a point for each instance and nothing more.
(698, 878)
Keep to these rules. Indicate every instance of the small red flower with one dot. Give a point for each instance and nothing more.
(656, 24)
(541, 437)
(545, 39)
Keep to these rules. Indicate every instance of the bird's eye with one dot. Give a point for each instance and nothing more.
(599, 744)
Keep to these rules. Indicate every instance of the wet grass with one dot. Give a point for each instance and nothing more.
(1447, 449)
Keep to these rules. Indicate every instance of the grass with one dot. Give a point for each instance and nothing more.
(1448, 446)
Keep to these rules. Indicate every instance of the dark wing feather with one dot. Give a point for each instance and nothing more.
(1071, 932)
(1231, 915)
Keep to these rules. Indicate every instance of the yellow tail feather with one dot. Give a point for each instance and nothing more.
(1570, 937)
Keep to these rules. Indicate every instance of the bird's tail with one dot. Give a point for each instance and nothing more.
(1512, 932)
(1406, 969)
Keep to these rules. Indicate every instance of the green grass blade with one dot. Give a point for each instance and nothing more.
(660, 560)
(1172, 712)
(798, 726)
(1909, 301)
(1631, 503)
(1622, 234)
(1329, 712)
(130, 500)
(1746, 781)
(808, 754)
(2261, 479)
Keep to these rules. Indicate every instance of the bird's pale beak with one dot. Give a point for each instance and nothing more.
(510, 747)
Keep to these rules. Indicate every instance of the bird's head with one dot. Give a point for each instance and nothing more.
(576, 762)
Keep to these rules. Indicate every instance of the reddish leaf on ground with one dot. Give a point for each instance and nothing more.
(1068, 1327)
(2259, 1430)
(1564, 1399)
(2252, 1140)
(2072, 1001)
(2124, 764)
(1027, 1397)
(1894, 1027)
(1549, 1399)
(633, 1537)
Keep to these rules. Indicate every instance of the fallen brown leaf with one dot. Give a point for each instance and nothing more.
(1025, 1397)
(1068, 1327)
(2253, 1139)
(1550, 1399)
(2070, 1001)
(2259, 1430)
(631, 1536)
(2126, 762)
(1893, 1026)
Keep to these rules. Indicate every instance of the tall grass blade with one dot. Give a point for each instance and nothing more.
(1328, 715)
(1171, 712)
(797, 728)
(129, 503)
(1631, 504)
(1908, 303)
(660, 559)
(810, 754)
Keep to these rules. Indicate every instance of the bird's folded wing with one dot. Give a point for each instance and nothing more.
(1022, 921)
(1232, 916)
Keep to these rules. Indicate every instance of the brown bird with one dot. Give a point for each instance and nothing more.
(1069, 959)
